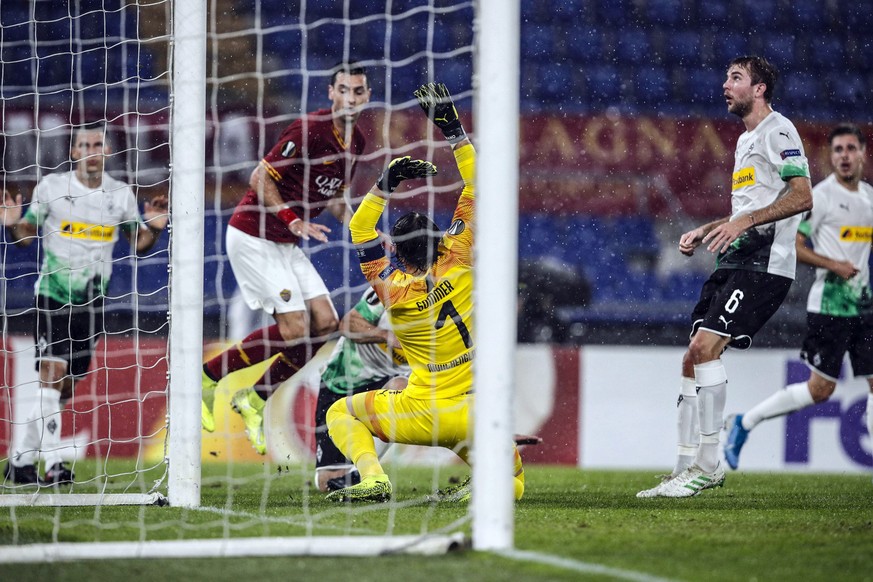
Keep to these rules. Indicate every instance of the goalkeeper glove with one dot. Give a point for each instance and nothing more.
(436, 101)
(404, 169)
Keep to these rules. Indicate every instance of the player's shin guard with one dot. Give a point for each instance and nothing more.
(352, 438)
(711, 381)
(688, 425)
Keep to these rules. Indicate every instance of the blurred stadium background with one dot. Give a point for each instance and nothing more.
(626, 142)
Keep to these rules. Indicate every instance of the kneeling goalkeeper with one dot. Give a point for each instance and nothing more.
(430, 306)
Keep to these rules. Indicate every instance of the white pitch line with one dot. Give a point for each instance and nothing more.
(578, 566)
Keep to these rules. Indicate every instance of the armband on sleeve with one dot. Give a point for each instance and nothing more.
(287, 215)
(370, 251)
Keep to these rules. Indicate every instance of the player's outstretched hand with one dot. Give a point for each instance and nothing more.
(404, 168)
(10, 212)
(436, 101)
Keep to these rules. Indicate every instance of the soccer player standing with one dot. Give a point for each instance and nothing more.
(840, 304)
(430, 307)
(754, 270)
(76, 217)
(306, 172)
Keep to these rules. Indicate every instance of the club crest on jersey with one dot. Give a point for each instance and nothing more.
(457, 227)
(288, 149)
(285, 295)
(789, 154)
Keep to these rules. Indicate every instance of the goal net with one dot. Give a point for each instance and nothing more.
(131, 432)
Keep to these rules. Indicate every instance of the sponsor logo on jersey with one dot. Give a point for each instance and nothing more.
(87, 231)
(862, 234)
(288, 149)
(386, 272)
(285, 295)
(743, 178)
(457, 227)
(789, 154)
(439, 293)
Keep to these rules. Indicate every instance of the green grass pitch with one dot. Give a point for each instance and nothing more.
(576, 523)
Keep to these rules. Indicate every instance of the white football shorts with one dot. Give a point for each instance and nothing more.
(275, 277)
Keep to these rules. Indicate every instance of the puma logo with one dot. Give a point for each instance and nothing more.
(726, 322)
(788, 137)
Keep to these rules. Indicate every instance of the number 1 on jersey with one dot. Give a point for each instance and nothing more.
(448, 311)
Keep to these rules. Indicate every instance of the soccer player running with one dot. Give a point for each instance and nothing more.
(75, 217)
(430, 307)
(840, 304)
(366, 357)
(754, 268)
(306, 171)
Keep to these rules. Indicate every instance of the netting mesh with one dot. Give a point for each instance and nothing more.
(65, 65)
(269, 63)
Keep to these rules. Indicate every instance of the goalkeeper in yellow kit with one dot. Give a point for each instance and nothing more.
(430, 306)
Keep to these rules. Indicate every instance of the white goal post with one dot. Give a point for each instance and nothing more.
(496, 133)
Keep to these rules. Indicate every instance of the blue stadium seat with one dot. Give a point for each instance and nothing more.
(669, 12)
(285, 46)
(538, 42)
(809, 14)
(704, 86)
(826, 51)
(573, 10)
(780, 50)
(652, 85)
(713, 12)
(682, 48)
(553, 80)
(799, 90)
(585, 44)
(368, 40)
(633, 46)
(764, 10)
(456, 73)
(603, 84)
(728, 46)
(856, 16)
(847, 93)
(616, 12)
(16, 70)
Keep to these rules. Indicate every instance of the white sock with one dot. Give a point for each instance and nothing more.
(49, 426)
(25, 451)
(711, 381)
(688, 425)
(793, 397)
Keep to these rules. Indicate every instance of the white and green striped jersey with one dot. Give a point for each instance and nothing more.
(353, 366)
(765, 159)
(79, 228)
(840, 227)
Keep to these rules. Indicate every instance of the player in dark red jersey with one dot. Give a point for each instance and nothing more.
(306, 172)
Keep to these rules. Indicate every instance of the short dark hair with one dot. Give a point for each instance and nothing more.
(847, 129)
(349, 68)
(416, 240)
(91, 126)
(761, 71)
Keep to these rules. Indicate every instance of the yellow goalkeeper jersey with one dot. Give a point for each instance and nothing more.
(431, 315)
